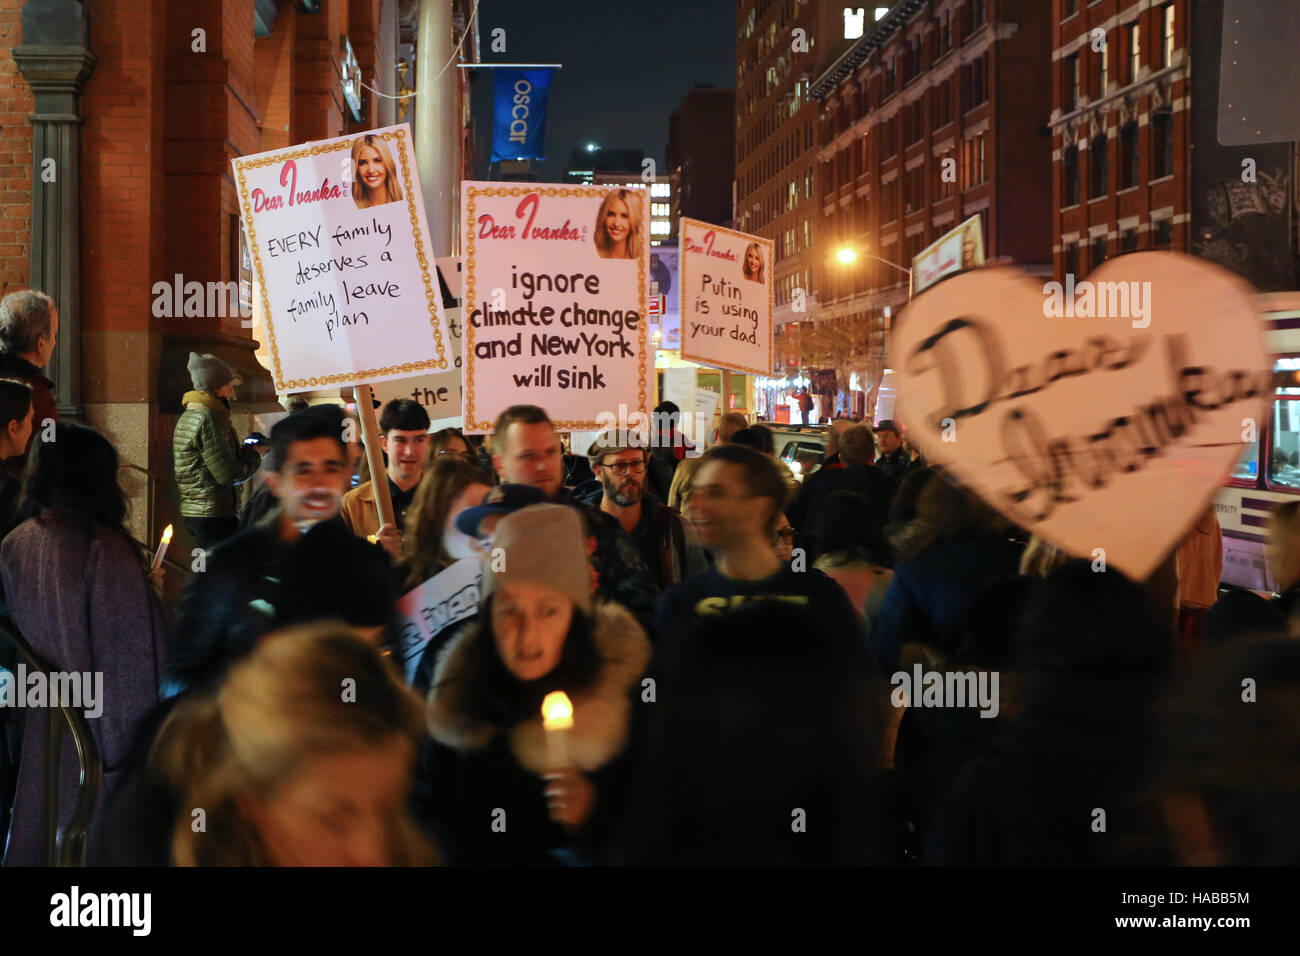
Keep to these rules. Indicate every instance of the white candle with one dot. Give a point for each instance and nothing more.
(162, 548)
(557, 719)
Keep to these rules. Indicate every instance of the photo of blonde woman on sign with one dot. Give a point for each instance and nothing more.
(618, 225)
(753, 268)
(374, 174)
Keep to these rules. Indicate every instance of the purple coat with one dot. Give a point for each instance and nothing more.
(84, 605)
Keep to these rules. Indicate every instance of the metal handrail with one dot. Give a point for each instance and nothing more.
(69, 847)
(145, 545)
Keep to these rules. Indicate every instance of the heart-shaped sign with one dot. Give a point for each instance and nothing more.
(1101, 414)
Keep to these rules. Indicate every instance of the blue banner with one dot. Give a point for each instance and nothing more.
(519, 124)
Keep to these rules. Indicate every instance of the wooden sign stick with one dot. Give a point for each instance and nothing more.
(370, 435)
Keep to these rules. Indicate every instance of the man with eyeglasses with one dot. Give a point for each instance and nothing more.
(666, 546)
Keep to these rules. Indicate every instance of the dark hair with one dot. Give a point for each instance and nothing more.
(15, 401)
(319, 421)
(756, 726)
(1243, 613)
(747, 437)
(765, 435)
(297, 404)
(404, 415)
(440, 485)
(903, 508)
(1085, 622)
(992, 624)
(499, 698)
(524, 415)
(76, 474)
(847, 522)
(761, 476)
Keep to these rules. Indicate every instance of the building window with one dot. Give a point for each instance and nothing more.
(659, 209)
(1164, 230)
(660, 227)
(1162, 142)
(1130, 241)
(1103, 68)
(1128, 155)
(941, 115)
(1072, 79)
(1070, 175)
(1167, 37)
(660, 189)
(1072, 259)
(1100, 169)
(1134, 52)
(1098, 250)
(945, 32)
(1071, 7)
(973, 156)
(976, 15)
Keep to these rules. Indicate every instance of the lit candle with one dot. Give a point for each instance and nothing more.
(557, 718)
(162, 548)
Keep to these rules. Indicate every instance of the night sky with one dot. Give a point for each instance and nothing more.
(626, 68)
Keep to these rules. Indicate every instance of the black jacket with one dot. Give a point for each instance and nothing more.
(475, 774)
(866, 480)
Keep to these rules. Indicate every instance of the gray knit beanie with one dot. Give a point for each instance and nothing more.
(543, 544)
(209, 373)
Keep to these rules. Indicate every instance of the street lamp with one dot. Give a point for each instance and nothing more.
(847, 254)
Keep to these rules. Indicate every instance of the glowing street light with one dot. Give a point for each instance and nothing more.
(846, 255)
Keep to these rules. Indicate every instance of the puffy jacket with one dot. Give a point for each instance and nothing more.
(209, 459)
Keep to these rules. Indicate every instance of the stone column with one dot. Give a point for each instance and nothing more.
(56, 61)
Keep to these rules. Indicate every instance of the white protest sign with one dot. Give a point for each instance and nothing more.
(439, 393)
(958, 249)
(1104, 422)
(447, 598)
(726, 298)
(556, 296)
(340, 247)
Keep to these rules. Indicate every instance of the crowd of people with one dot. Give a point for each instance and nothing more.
(729, 639)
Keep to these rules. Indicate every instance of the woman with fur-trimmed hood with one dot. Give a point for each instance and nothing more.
(495, 791)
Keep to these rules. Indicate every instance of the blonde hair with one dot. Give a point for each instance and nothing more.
(360, 194)
(276, 709)
(631, 199)
(757, 276)
(1040, 558)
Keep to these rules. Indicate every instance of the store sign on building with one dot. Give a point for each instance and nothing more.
(350, 72)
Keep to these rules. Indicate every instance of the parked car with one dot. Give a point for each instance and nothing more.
(799, 446)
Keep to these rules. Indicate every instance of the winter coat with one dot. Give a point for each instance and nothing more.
(209, 458)
(85, 605)
(927, 599)
(43, 404)
(473, 770)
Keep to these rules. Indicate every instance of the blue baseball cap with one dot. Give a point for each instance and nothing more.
(501, 500)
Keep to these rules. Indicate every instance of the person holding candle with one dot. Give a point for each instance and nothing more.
(491, 790)
(78, 590)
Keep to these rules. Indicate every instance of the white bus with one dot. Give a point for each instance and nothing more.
(1268, 473)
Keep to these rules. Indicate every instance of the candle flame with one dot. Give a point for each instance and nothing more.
(557, 712)
(167, 535)
(372, 538)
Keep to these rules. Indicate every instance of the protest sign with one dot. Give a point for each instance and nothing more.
(726, 298)
(446, 599)
(663, 282)
(1103, 423)
(556, 296)
(340, 248)
(439, 393)
(958, 249)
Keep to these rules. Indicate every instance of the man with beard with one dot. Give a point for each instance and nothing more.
(404, 428)
(662, 539)
(238, 595)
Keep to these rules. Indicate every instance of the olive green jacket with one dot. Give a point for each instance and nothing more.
(209, 458)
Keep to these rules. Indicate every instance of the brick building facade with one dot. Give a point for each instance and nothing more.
(935, 115)
(170, 94)
(1121, 129)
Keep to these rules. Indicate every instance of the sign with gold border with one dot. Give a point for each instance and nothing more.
(726, 297)
(519, 347)
(342, 262)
